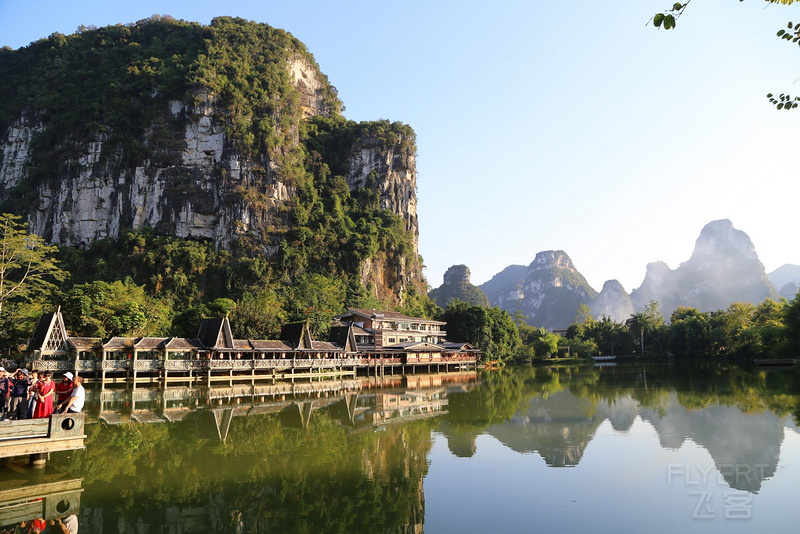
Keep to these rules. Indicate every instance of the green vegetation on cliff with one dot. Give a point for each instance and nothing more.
(115, 84)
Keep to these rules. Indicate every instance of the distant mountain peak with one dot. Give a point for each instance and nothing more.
(724, 268)
(457, 286)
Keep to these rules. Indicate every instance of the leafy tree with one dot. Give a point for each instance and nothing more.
(584, 314)
(27, 265)
(646, 322)
(258, 316)
(102, 309)
(490, 329)
(545, 343)
(689, 332)
(318, 299)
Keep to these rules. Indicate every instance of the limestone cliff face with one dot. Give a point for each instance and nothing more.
(197, 183)
(505, 288)
(392, 172)
(724, 268)
(457, 286)
(547, 292)
(553, 290)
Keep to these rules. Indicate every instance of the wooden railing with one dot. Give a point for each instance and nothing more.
(243, 364)
(59, 432)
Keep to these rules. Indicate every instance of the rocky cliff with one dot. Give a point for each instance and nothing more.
(505, 289)
(547, 292)
(457, 286)
(612, 301)
(230, 142)
(553, 290)
(724, 268)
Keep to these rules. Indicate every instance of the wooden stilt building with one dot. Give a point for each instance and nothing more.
(352, 347)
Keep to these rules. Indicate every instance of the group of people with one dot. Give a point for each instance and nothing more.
(65, 525)
(30, 395)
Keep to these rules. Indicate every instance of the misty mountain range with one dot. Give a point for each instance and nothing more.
(724, 268)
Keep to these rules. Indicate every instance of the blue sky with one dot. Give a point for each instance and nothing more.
(548, 124)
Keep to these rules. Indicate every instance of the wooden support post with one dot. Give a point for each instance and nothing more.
(38, 460)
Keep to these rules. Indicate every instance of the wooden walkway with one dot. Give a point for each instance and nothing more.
(59, 432)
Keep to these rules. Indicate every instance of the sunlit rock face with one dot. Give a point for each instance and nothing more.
(724, 268)
(457, 286)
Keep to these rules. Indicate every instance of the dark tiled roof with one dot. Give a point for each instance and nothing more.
(150, 343)
(209, 331)
(292, 333)
(37, 340)
(324, 345)
(119, 343)
(392, 316)
(458, 346)
(184, 344)
(85, 343)
(242, 344)
(339, 335)
(276, 346)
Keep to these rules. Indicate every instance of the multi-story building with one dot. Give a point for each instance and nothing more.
(380, 329)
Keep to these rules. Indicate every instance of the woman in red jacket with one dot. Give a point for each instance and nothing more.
(44, 396)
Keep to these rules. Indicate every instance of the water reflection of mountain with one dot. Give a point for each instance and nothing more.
(744, 447)
(560, 426)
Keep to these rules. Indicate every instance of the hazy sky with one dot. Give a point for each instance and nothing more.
(548, 124)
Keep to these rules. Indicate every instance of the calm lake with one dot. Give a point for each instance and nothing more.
(625, 448)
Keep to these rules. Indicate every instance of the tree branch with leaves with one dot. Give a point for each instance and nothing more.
(27, 265)
(668, 18)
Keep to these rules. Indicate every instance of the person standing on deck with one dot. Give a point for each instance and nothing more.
(64, 388)
(19, 395)
(5, 393)
(45, 389)
(74, 403)
(32, 393)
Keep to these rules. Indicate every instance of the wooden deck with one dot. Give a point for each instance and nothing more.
(208, 371)
(59, 432)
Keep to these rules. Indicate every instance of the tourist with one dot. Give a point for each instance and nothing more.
(45, 389)
(5, 393)
(32, 392)
(64, 388)
(19, 395)
(74, 403)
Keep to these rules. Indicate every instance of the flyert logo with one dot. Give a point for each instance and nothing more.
(736, 504)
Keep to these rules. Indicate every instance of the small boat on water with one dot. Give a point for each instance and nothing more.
(603, 358)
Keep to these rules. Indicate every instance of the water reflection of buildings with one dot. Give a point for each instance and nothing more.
(356, 403)
(380, 474)
(560, 427)
(28, 495)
